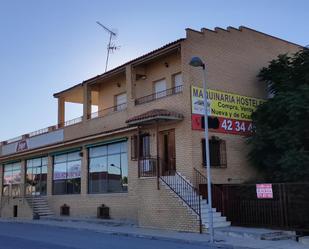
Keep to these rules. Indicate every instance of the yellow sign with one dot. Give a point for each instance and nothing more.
(223, 104)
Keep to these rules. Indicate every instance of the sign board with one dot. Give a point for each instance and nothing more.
(33, 142)
(21, 145)
(264, 191)
(233, 111)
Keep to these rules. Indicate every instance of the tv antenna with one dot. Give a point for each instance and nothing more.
(110, 47)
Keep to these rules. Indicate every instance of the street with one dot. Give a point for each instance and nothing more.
(30, 236)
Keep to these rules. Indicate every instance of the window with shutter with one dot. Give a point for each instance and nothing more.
(160, 88)
(217, 152)
(177, 80)
(121, 102)
(144, 146)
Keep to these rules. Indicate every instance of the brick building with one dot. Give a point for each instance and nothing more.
(144, 140)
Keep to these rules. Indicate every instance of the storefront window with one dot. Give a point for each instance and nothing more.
(36, 176)
(108, 168)
(12, 179)
(67, 173)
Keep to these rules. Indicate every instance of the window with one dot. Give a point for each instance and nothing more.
(36, 176)
(177, 81)
(108, 168)
(144, 146)
(12, 179)
(217, 152)
(67, 173)
(121, 102)
(160, 88)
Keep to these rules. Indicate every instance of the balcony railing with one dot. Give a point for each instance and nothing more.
(73, 121)
(147, 167)
(39, 132)
(159, 95)
(107, 111)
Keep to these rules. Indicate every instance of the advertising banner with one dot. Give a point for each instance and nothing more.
(264, 191)
(232, 110)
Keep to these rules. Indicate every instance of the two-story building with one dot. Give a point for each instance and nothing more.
(141, 151)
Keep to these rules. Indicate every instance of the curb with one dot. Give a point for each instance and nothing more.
(133, 235)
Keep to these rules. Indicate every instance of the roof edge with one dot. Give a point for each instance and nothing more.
(121, 67)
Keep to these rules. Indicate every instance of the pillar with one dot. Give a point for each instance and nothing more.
(84, 172)
(87, 102)
(23, 178)
(49, 176)
(129, 82)
(1, 180)
(61, 110)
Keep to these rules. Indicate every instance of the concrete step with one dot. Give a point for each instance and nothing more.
(214, 214)
(215, 219)
(219, 224)
(256, 233)
(46, 214)
(205, 210)
(37, 201)
(41, 210)
(39, 206)
(304, 240)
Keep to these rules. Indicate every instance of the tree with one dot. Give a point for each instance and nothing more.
(280, 140)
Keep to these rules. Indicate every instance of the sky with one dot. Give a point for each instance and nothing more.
(49, 45)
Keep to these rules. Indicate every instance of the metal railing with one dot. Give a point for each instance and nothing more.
(147, 167)
(15, 139)
(200, 182)
(107, 111)
(185, 191)
(39, 132)
(73, 121)
(159, 95)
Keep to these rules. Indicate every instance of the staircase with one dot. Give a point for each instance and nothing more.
(39, 205)
(191, 198)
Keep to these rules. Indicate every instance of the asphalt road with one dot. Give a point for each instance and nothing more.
(29, 236)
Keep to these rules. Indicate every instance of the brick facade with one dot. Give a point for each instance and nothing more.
(233, 59)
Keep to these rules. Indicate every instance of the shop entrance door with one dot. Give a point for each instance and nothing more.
(36, 180)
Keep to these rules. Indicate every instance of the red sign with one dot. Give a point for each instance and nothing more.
(264, 191)
(226, 125)
(22, 145)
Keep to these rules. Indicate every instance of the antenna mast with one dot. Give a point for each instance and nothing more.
(110, 47)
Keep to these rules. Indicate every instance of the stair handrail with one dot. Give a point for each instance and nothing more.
(217, 193)
(180, 189)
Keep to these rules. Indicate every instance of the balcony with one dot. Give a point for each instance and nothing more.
(53, 134)
(159, 95)
(107, 111)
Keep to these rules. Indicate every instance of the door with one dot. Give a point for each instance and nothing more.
(160, 88)
(167, 152)
(36, 176)
(121, 102)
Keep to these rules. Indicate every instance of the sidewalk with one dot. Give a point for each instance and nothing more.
(123, 228)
